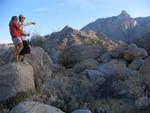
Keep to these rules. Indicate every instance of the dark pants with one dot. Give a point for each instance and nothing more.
(26, 48)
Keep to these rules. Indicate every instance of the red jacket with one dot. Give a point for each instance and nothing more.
(14, 30)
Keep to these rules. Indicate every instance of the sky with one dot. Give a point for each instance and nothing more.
(52, 15)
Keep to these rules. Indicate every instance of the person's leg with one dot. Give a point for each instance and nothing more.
(22, 53)
(26, 51)
(16, 49)
(20, 47)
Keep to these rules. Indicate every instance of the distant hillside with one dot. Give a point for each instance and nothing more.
(122, 27)
(56, 42)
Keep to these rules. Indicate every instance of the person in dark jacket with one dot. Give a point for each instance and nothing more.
(26, 48)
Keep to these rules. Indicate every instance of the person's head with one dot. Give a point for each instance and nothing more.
(21, 18)
(14, 19)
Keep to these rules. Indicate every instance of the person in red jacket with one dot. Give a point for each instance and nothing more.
(16, 36)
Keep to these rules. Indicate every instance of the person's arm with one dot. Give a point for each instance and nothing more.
(29, 23)
(16, 26)
(24, 34)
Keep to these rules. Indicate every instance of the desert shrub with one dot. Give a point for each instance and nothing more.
(37, 40)
(112, 105)
(9, 104)
(98, 43)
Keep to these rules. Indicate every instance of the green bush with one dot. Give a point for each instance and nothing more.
(98, 43)
(37, 40)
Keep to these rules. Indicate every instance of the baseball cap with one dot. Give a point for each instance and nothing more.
(21, 16)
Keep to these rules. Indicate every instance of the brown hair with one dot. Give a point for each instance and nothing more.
(12, 19)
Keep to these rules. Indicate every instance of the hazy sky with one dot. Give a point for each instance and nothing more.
(53, 15)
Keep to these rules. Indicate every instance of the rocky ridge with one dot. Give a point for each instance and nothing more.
(122, 27)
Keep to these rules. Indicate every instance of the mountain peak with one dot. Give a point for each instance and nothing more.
(124, 14)
(68, 29)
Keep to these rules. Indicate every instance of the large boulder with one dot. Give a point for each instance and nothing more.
(82, 111)
(136, 64)
(135, 86)
(132, 52)
(112, 68)
(113, 105)
(75, 54)
(144, 41)
(94, 75)
(117, 53)
(129, 53)
(34, 107)
(145, 71)
(42, 65)
(38, 59)
(142, 102)
(6, 54)
(15, 78)
(129, 84)
(106, 57)
(120, 89)
(85, 64)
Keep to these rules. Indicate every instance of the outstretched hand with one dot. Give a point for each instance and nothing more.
(33, 23)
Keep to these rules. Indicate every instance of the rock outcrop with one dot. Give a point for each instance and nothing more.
(132, 52)
(112, 68)
(78, 53)
(142, 102)
(143, 42)
(145, 71)
(15, 78)
(129, 53)
(85, 64)
(38, 59)
(136, 64)
(34, 107)
(82, 111)
(42, 65)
